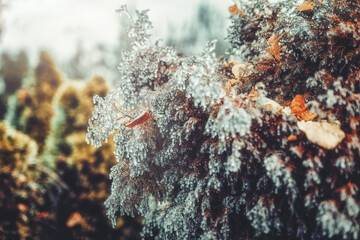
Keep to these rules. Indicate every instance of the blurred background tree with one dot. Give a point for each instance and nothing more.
(53, 184)
(13, 69)
(76, 67)
(206, 24)
(39, 111)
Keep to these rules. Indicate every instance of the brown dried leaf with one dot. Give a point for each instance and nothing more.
(292, 137)
(143, 117)
(323, 134)
(234, 10)
(305, 6)
(298, 104)
(274, 46)
(298, 108)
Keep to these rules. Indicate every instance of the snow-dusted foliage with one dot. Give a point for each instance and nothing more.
(215, 150)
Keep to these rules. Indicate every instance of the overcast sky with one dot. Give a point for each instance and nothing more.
(57, 25)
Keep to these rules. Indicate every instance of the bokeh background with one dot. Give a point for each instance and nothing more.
(85, 37)
(54, 57)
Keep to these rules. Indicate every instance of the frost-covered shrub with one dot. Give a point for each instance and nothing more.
(207, 152)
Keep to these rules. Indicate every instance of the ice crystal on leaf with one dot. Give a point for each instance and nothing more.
(202, 78)
(335, 223)
(146, 66)
(281, 175)
(231, 120)
(101, 123)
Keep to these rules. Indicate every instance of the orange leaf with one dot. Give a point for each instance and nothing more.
(298, 108)
(297, 105)
(74, 220)
(22, 207)
(274, 46)
(234, 10)
(292, 137)
(305, 6)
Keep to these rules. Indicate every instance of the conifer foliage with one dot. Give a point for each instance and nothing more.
(224, 150)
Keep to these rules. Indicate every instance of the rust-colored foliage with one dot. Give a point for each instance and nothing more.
(308, 5)
(274, 47)
(234, 10)
(347, 190)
